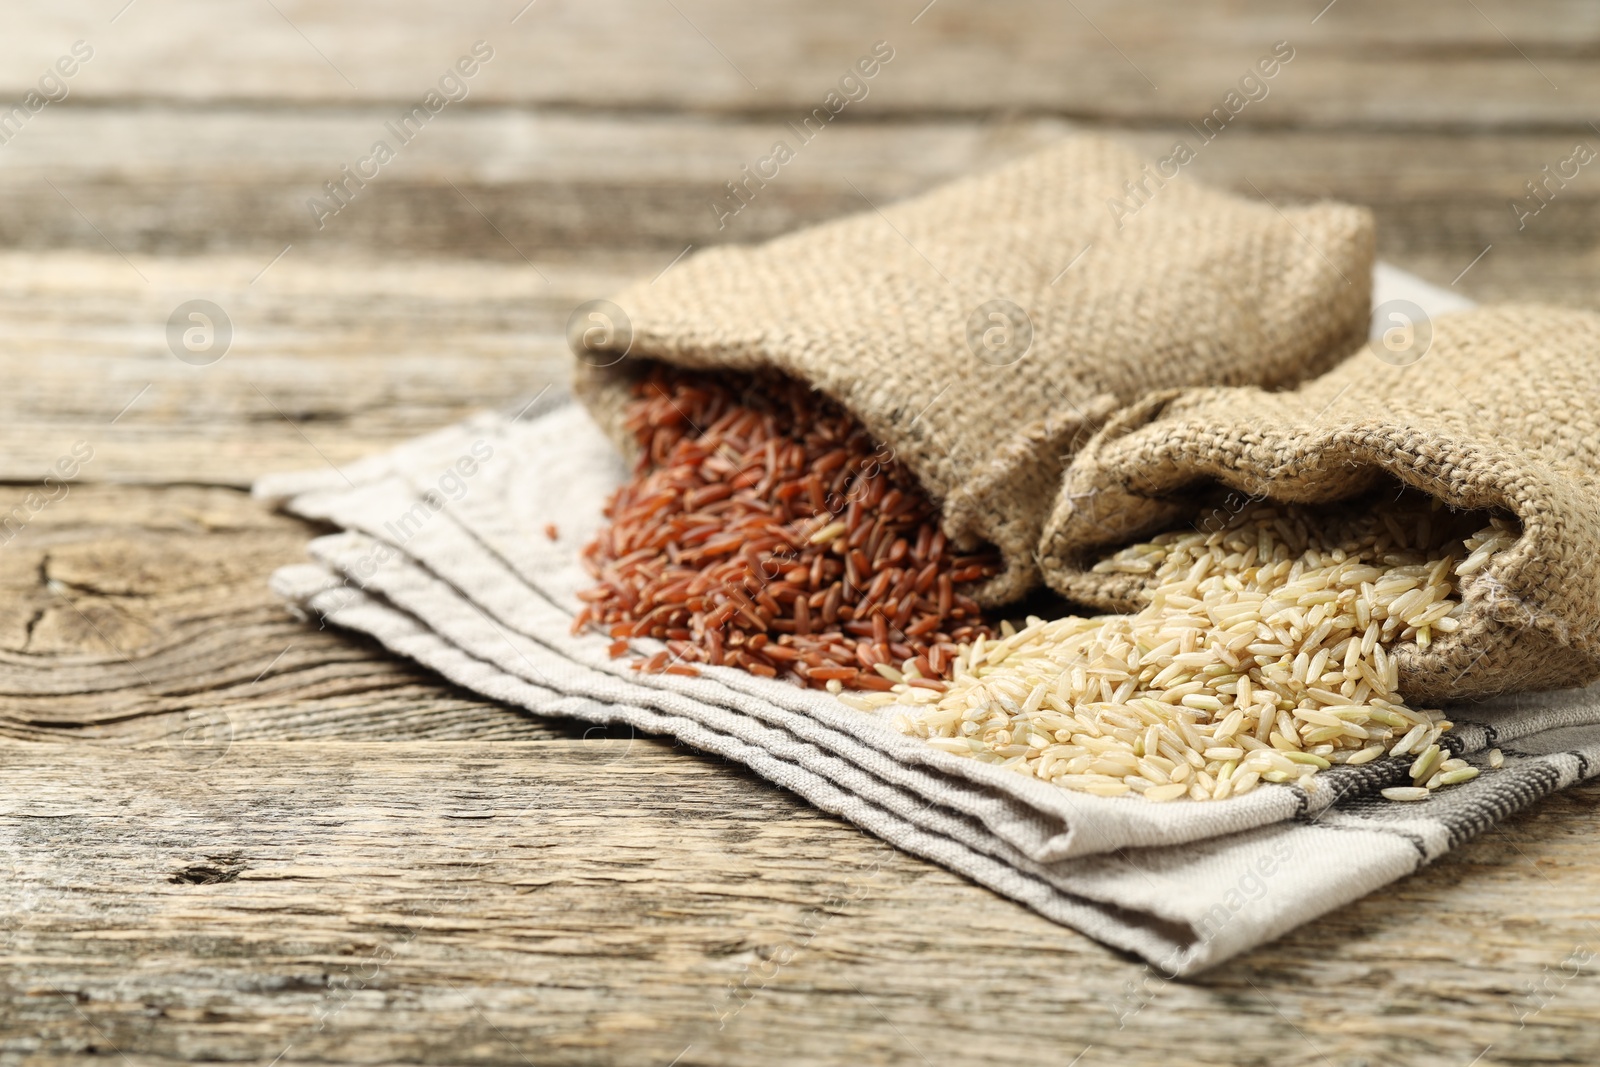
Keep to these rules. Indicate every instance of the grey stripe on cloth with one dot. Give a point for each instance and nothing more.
(444, 559)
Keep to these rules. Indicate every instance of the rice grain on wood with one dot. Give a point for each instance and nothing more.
(1264, 655)
(764, 529)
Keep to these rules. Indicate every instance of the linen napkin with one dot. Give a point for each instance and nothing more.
(444, 558)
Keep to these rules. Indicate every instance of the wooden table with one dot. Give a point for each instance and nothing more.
(229, 835)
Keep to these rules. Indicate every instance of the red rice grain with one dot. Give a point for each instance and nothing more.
(764, 529)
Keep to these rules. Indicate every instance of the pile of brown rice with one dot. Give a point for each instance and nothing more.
(764, 529)
(1265, 654)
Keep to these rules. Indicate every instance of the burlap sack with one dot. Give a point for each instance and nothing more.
(1120, 281)
(1503, 411)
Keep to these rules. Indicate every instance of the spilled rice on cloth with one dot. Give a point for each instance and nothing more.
(764, 529)
(1264, 654)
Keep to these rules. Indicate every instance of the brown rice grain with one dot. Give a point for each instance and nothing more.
(1265, 655)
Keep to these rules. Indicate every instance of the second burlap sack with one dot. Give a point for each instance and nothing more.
(983, 330)
(1501, 412)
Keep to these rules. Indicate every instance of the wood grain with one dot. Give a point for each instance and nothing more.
(229, 835)
(617, 901)
(1503, 65)
(513, 186)
(329, 361)
(142, 616)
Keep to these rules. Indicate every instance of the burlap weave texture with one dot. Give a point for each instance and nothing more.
(889, 312)
(1502, 412)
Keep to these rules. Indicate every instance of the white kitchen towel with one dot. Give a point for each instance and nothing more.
(445, 559)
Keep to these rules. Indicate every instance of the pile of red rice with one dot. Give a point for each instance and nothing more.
(764, 529)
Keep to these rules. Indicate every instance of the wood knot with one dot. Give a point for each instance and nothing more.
(211, 871)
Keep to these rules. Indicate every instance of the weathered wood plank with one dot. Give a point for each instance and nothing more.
(619, 902)
(168, 181)
(1360, 62)
(142, 616)
(333, 360)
